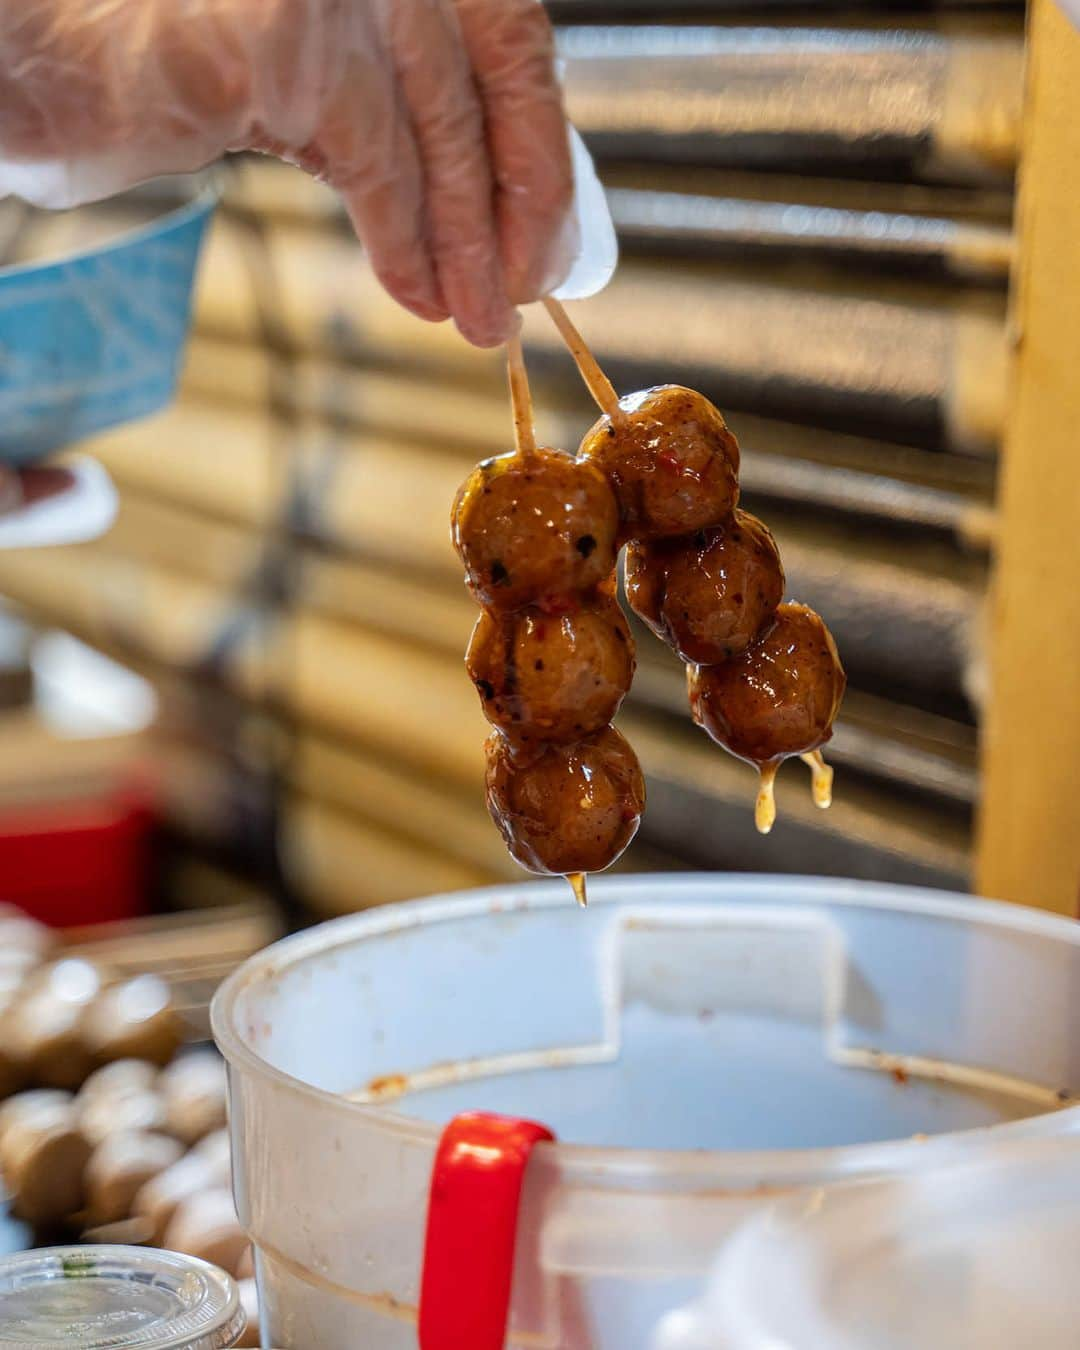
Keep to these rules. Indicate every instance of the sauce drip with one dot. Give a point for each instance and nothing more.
(821, 778)
(765, 805)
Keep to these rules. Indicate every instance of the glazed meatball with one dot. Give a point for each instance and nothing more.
(565, 808)
(674, 465)
(548, 677)
(534, 528)
(778, 698)
(644, 581)
(708, 596)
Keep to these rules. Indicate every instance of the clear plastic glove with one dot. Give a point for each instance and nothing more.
(440, 122)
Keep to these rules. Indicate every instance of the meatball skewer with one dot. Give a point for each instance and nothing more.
(551, 655)
(764, 679)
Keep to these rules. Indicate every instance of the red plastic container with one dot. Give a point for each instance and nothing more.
(81, 860)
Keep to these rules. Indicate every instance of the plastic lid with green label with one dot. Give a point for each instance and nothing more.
(115, 1298)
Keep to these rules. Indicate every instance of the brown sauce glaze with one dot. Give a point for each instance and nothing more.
(552, 677)
(565, 808)
(672, 461)
(708, 595)
(777, 699)
(534, 529)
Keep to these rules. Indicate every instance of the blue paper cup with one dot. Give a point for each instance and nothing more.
(96, 338)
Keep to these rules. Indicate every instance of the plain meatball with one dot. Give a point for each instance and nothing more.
(778, 698)
(134, 1020)
(708, 596)
(566, 808)
(43, 1156)
(45, 1029)
(121, 1077)
(534, 528)
(120, 1166)
(552, 677)
(673, 463)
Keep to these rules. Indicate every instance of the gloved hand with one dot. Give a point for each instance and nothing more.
(440, 122)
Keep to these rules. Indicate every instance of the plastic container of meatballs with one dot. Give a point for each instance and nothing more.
(700, 1047)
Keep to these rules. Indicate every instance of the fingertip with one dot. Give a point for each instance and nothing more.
(471, 277)
(412, 282)
(402, 265)
(423, 305)
(429, 313)
(487, 332)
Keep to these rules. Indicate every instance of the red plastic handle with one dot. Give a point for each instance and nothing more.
(472, 1230)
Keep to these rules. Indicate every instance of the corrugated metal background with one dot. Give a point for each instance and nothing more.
(815, 213)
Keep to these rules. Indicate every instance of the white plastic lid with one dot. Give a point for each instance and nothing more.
(95, 1297)
(977, 1257)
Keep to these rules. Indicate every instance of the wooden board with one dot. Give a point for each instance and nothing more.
(1029, 833)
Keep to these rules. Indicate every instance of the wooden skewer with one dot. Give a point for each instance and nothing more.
(596, 381)
(520, 397)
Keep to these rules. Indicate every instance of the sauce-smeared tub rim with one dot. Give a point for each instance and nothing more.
(736, 1170)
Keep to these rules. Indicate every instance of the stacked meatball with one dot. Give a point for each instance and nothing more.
(552, 658)
(764, 678)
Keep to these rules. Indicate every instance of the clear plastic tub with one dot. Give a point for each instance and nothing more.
(974, 1257)
(701, 1045)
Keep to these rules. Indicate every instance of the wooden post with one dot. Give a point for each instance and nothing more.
(1028, 846)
